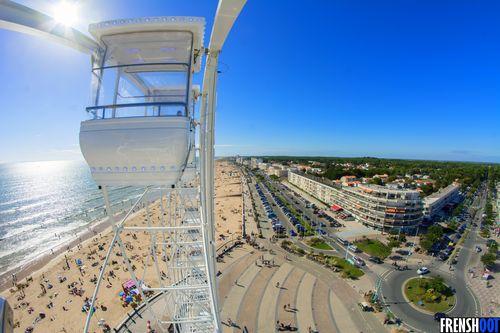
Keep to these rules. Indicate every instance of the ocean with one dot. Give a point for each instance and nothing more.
(45, 204)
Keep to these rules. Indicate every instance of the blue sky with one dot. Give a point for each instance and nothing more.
(408, 79)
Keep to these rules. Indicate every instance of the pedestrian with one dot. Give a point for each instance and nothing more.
(277, 284)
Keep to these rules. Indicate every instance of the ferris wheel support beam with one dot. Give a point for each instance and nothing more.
(227, 12)
(207, 119)
(16, 17)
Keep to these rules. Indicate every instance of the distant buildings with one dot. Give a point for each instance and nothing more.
(254, 162)
(376, 206)
(348, 180)
(277, 170)
(383, 177)
(263, 166)
(434, 203)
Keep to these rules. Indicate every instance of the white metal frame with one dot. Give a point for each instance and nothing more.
(19, 18)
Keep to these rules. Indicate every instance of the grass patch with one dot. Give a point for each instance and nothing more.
(318, 243)
(374, 247)
(432, 292)
(348, 270)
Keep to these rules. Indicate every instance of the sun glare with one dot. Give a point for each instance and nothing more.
(66, 12)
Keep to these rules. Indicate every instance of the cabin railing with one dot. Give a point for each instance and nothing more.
(147, 109)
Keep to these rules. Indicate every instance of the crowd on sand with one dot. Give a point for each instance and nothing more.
(57, 297)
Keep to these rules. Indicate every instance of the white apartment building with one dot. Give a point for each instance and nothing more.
(434, 203)
(375, 206)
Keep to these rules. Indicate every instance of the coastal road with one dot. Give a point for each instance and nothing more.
(393, 281)
(467, 304)
(392, 293)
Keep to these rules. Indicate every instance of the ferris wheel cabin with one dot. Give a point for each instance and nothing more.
(141, 129)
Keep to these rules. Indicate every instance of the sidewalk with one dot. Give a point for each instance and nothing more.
(489, 297)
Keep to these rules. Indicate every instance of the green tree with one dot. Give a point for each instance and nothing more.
(426, 244)
(434, 233)
(488, 259)
(376, 181)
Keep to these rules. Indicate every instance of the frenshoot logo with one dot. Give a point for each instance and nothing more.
(469, 325)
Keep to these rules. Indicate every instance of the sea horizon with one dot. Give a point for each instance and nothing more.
(46, 204)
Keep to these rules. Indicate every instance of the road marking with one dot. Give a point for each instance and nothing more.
(476, 305)
(385, 275)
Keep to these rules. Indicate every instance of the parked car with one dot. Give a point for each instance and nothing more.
(358, 261)
(422, 270)
(443, 256)
(321, 231)
(439, 315)
(342, 241)
(365, 306)
(353, 248)
(376, 260)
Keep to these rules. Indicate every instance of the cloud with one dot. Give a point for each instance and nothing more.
(462, 152)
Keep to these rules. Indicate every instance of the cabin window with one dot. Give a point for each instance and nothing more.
(143, 74)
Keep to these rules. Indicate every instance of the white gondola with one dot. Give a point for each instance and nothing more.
(141, 127)
(142, 133)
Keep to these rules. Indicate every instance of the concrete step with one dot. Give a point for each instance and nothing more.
(266, 321)
(289, 296)
(236, 294)
(342, 315)
(233, 272)
(321, 309)
(305, 317)
(249, 308)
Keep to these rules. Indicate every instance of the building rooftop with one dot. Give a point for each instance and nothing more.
(441, 193)
(364, 187)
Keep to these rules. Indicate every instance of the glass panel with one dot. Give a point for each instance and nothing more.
(148, 47)
(145, 67)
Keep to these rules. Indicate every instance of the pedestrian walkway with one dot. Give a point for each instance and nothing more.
(305, 317)
(486, 292)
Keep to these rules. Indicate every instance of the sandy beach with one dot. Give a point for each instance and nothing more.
(51, 293)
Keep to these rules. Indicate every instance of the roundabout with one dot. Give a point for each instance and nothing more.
(393, 294)
(429, 294)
